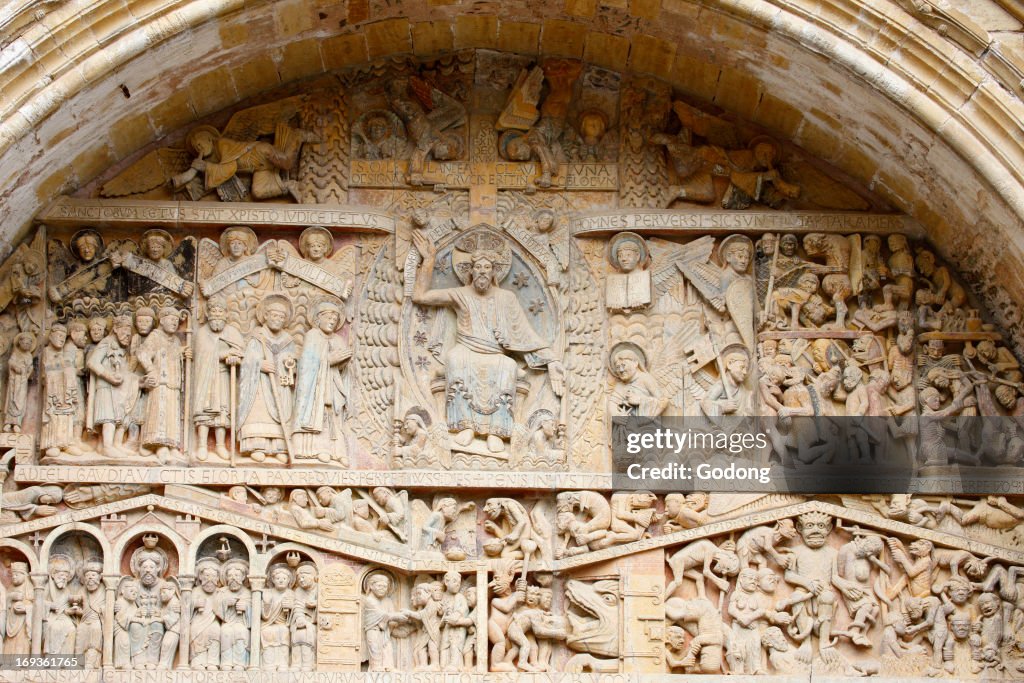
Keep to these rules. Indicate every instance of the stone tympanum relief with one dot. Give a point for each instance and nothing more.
(330, 388)
(250, 159)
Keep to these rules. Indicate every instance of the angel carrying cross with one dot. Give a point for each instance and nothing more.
(532, 129)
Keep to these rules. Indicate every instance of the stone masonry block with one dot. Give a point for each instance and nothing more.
(563, 38)
(388, 37)
(475, 31)
(431, 37)
(518, 36)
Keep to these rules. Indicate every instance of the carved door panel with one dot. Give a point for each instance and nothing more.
(642, 581)
(339, 629)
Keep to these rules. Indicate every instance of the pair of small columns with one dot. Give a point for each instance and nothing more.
(187, 583)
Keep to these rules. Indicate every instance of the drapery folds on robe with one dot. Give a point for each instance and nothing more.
(481, 376)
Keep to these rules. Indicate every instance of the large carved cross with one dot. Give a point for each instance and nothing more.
(484, 173)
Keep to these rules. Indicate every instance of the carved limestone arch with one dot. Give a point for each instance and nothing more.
(26, 551)
(109, 564)
(261, 561)
(839, 40)
(188, 563)
(177, 541)
(932, 91)
(397, 586)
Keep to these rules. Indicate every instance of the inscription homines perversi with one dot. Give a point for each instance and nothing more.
(328, 390)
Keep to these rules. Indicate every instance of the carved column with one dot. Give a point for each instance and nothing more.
(481, 620)
(39, 582)
(110, 582)
(256, 584)
(187, 582)
(3, 478)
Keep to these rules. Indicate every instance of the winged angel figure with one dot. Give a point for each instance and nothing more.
(526, 134)
(241, 272)
(217, 161)
(430, 117)
(705, 325)
(753, 174)
(87, 271)
(727, 287)
(21, 284)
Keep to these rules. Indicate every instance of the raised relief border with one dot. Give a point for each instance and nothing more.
(704, 221)
(221, 476)
(131, 212)
(1003, 483)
